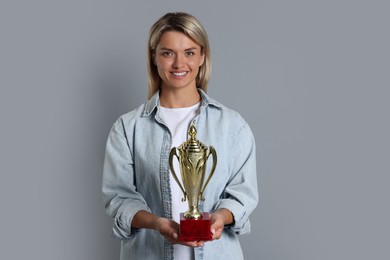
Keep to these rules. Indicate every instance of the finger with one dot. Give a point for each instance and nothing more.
(217, 234)
(199, 244)
(193, 243)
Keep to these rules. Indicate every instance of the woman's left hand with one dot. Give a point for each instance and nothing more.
(219, 219)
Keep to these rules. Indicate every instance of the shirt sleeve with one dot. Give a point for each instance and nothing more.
(120, 197)
(241, 193)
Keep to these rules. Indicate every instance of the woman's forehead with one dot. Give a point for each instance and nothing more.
(176, 40)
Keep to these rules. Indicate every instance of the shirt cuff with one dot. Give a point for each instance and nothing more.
(122, 229)
(241, 223)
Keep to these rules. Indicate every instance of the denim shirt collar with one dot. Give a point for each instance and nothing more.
(154, 102)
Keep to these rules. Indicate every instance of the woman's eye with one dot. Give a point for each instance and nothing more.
(167, 53)
(190, 53)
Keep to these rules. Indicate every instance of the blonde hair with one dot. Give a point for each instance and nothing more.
(191, 27)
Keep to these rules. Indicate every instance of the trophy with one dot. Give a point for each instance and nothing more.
(192, 157)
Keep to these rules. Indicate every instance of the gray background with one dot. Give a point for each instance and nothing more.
(311, 77)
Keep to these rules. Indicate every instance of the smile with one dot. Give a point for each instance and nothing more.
(179, 74)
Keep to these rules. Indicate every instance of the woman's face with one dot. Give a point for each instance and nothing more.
(178, 59)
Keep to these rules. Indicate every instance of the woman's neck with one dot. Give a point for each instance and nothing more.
(179, 98)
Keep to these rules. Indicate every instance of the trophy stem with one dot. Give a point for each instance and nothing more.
(193, 213)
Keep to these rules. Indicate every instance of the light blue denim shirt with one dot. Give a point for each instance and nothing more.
(136, 177)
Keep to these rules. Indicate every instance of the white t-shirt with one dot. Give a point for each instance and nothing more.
(178, 121)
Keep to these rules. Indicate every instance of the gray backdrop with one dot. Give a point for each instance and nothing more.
(311, 77)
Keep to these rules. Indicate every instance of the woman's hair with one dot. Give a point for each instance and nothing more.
(191, 27)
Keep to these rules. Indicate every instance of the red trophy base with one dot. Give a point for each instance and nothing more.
(195, 229)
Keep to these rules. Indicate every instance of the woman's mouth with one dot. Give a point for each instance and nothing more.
(179, 74)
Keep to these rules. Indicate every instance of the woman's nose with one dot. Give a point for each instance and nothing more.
(178, 62)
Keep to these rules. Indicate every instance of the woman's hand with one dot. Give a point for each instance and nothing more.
(166, 227)
(219, 219)
(170, 230)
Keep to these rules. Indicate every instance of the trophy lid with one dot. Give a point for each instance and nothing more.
(192, 144)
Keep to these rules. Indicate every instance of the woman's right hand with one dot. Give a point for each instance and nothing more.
(170, 229)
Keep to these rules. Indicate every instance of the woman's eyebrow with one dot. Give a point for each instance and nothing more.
(165, 49)
(168, 49)
(191, 49)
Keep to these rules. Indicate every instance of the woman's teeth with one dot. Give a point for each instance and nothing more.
(179, 74)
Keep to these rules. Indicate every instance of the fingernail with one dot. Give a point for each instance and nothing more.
(213, 231)
(174, 235)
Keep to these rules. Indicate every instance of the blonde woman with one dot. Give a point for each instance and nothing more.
(139, 192)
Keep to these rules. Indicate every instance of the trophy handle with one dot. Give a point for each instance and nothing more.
(214, 153)
(171, 154)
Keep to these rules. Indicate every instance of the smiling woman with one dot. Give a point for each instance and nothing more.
(139, 192)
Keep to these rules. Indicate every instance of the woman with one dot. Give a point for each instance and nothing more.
(138, 190)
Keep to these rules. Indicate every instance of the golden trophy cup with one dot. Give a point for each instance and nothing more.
(192, 156)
